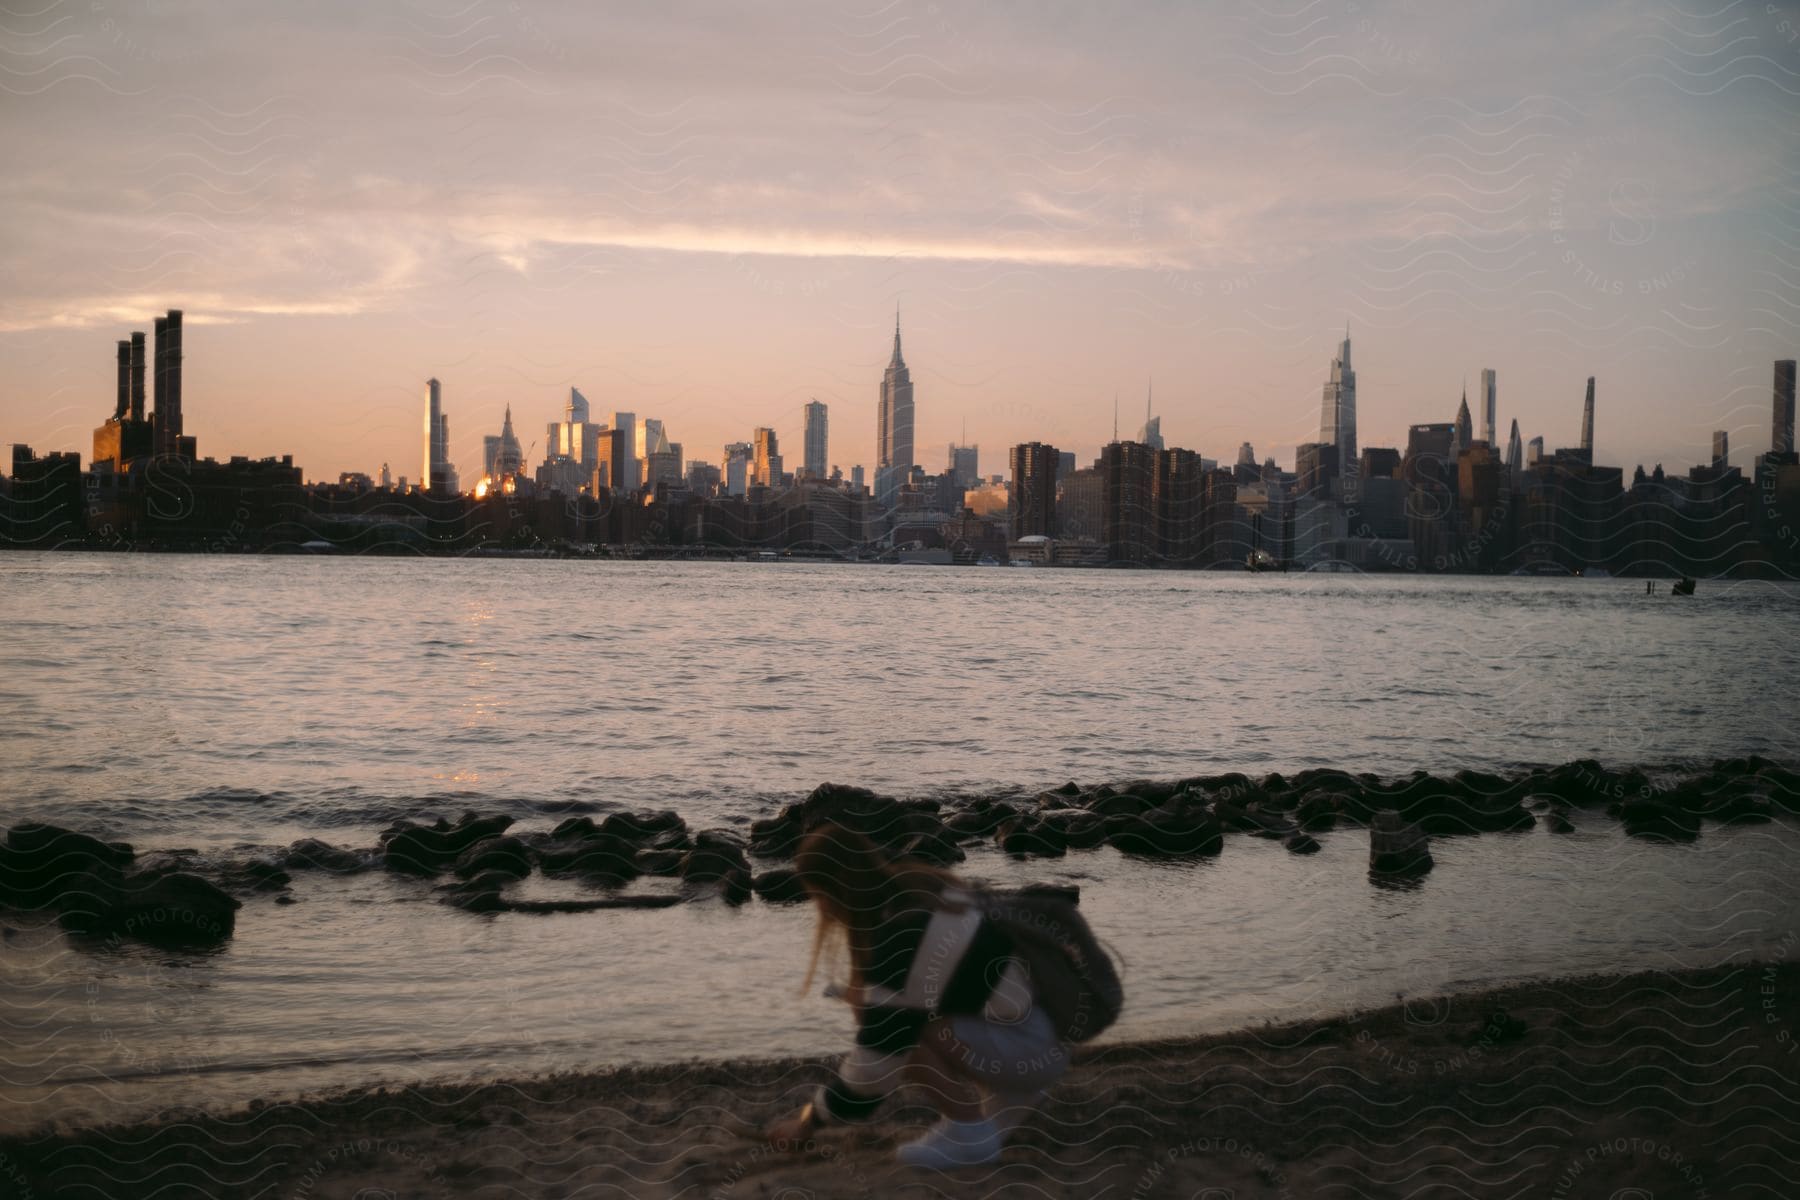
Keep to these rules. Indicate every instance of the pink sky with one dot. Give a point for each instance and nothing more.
(707, 215)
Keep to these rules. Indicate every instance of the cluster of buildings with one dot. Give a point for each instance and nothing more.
(1453, 498)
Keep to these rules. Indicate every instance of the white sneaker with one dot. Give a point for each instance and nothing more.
(950, 1144)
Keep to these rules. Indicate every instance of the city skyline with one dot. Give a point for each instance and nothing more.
(719, 240)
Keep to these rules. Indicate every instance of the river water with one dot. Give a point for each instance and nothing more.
(234, 704)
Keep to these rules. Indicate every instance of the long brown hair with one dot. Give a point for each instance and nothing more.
(854, 886)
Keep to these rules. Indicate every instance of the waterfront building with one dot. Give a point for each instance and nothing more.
(1127, 521)
(1033, 499)
(1721, 450)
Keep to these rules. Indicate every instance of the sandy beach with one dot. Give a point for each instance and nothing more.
(1679, 1083)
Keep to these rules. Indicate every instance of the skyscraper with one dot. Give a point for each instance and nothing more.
(1515, 456)
(1489, 419)
(1337, 420)
(1465, 427)
(817, 440)
(768, 459)
(624, 465)
(1151, 434)
(734, 468)
(1781, 437)
(1721, 449)
(437, 474)
(1246, 455)
(1032, 500)
(894, 425)
(1534, 451)
(965, 465)
(1587, 421)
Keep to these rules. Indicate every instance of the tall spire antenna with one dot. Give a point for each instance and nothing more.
(1149, 392)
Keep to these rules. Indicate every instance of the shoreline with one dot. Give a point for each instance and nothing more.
(1679, 1082)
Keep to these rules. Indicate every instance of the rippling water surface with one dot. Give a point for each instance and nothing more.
(235, 704)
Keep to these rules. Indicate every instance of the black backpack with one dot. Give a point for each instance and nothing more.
(1072, 978)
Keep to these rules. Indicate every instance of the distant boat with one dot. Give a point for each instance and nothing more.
(1594, 573)
(988, 560)
(1332, 566)
(1262, 560)
(1682, 587)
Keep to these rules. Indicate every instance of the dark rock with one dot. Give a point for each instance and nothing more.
(310, 854)
(1301, 843)
(982, 821)
(665, 828)
(660, 862)
(736, 886)
(177, 909)
(429, 849)
(38, 861)
(1556, 821)
(1119, 804)
(1166, 831)
(479, 893)
(779, 886)
(1079, 828)
(1070, 788)
(776, 837)
(717, 853)
(575, 829)
(1320, 810)
(258, 876)
(1397, 847)
(600, 857)
(501, 904)
(1028, 836)
(507, 854)
(1069, 893)
(938, 848)
(1655, 818)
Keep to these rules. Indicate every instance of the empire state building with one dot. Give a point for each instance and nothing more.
(894, 425)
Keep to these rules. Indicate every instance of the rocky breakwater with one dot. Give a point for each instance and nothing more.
(99, 889)
(485, 860)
